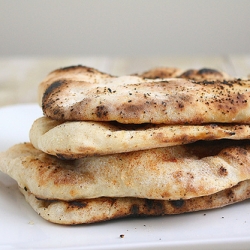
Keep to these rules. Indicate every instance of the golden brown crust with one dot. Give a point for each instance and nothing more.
(179, 172)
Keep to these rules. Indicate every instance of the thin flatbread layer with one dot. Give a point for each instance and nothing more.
(106, 208)
(179, 172)
(168, 101)
(76, 139)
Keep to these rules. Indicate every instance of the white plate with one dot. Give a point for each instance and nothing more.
(22, 228)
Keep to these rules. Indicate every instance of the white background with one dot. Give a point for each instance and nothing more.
(124, 27)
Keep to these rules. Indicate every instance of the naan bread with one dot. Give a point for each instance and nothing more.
(105, 208)
(198, 75)
(76, 139)
(180, 172)
(79, 73)
(128, 100)
(91, 75)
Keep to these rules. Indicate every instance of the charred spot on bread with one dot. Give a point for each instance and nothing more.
(177, 203)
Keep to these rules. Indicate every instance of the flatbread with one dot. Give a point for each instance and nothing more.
(106, 208)
(129, 100)
(180, 172)
(76, 139)
(92, 75)
(83, 74)
(194, 74)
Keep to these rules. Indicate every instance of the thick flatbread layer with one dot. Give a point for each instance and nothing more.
(131, 99)
(106, 208)
(76, 139)
(179, 172)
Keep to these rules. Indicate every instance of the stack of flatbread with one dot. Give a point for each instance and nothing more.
(162, 142)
